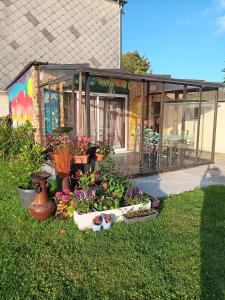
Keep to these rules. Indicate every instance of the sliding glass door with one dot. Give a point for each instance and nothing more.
(108, 120)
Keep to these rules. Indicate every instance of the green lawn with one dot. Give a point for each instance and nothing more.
(180, 255)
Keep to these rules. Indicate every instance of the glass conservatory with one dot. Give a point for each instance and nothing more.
(154, 123)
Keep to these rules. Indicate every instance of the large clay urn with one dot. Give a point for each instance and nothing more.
(41, 208)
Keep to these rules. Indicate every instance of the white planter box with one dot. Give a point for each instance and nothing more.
(140, 219)
(84, 221)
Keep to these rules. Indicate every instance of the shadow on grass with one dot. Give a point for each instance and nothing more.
(212, 233)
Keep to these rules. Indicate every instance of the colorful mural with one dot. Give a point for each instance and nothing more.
(54, 109)
(20, 100)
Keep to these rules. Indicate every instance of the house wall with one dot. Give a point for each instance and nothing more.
(21, 99)
(58, 31)
(220, 133)
(4, 104)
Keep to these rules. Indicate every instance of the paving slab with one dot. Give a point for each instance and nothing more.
(176, 182)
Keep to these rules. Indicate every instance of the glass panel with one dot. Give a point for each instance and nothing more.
(128, 160)
(206, 124)
(151, 128)
(51, 108)
(173, 127)
(47, 75)
(93, 118)
(58, 107)
(190, 125)
(112, 121)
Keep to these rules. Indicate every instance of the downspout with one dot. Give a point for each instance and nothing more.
(121, 12)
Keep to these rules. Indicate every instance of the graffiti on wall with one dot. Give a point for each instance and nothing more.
(51, 110)
(20, 100)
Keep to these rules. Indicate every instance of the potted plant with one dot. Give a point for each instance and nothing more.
(97, 223)
(80, 149)
(65, 202)
(103, 150)
(62, 157)
(27, 162)
(107, 221)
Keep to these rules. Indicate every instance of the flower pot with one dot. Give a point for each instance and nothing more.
(26, 196)
(99, 157)
(106, 226)
(96, 228)
(62, 163)
(80, 159)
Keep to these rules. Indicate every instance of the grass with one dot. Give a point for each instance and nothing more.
(180, 255)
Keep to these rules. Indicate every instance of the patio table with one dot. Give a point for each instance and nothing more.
(173, 141)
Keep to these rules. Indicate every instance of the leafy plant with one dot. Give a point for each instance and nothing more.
(104, 149)
(80, 147)
(87, 179)
(27, 162)
(134, 196)
(85, 199)
(56, 143)
(13, 139)
(65, 204)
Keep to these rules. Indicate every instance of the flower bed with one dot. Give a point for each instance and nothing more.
(102, 192)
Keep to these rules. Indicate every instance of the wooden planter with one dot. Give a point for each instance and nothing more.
(80, 159)
(99, 157)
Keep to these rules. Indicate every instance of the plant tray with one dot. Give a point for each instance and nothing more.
(84, 221)
(140, 219)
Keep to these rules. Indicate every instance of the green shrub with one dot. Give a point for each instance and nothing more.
(13, 139)
(27, 162)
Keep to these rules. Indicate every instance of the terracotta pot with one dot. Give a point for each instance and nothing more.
(62, 165)
(99, 157)
(41, 209)
(80, 159)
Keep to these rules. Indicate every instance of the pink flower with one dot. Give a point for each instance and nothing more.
(66, 198)
(66, 191)
(58, 194)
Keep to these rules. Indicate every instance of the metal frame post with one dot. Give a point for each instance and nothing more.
(74, 106)
(79, 110)
(161, 124)
(87, 105)
(50, 107)
(143, 97)
(215, 126)
(199, 124)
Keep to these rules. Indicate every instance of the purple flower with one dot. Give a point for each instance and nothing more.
(133, 193)
(155, 203)
(85, 194)
(78, 194)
